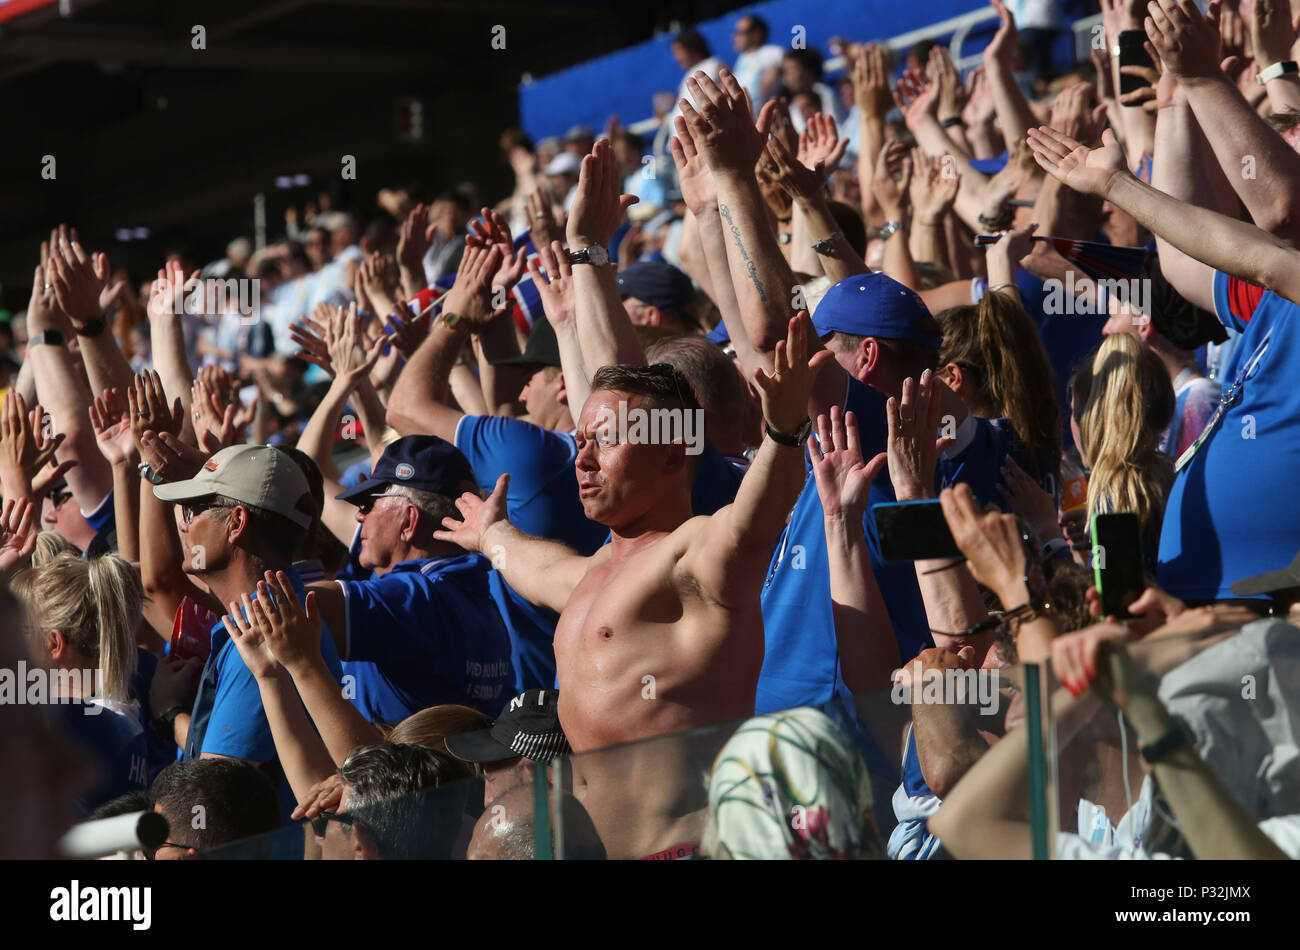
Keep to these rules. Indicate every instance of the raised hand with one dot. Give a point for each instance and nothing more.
(1188, 44)
(1075, 116)
(820, 145)
(350, 355)
(1086, 170)
(843, 478)
(252, 646)
(599, 205)
(870, 78)
(78, 280)
(794, 177)
(979, 99)
(951, 93)
(408, 331)
(893, 178)
(1026, 498)
(1006, 40)
(219, 418)
(913, 448)
(309, 334)
(722, 122)
(18, 532)
(167, 294)
(1271, 28)
(382, 281)
(325, 795)
(555, 286)
(156, 430)
(785, 391)
(290, 631)
(111, 420)
(471, 295)
(693, 174)
(932, 191)
(544, 218)
(918, 97)
(477, 515)
(415, 239)
(493, 231)
(1077, 656)
(21, 450)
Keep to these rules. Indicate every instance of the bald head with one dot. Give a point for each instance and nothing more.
(505, 831)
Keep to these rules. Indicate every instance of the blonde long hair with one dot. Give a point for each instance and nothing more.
(95, 604)
(1129, 404)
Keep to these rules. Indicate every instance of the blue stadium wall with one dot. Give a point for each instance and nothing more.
(624, 82)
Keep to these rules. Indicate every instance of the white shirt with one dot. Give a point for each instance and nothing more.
(750, 67)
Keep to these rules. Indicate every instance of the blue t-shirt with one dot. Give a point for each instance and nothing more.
(427, 632)
(228, 718)
(716, 480)
(543, 498)
(532, 636)
(801, 665)
(116, 744)
(103, 519)
(1228, 514)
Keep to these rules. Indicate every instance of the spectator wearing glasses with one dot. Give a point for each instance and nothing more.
(423, 629)
(237, 802)
(245, 512)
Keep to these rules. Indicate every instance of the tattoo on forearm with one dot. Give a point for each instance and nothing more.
(750, 267)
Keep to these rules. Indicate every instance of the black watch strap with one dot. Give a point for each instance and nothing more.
(48, 337)
(1178, 735)
(792, 441)
(165, 725)
(93, 328)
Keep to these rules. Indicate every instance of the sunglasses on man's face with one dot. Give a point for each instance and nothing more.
(368, 504)
(320, 824)
(192, 510)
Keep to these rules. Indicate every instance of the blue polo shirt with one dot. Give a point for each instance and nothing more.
(1230, 512)
(228, 718)
(801, 665)
(427, 632)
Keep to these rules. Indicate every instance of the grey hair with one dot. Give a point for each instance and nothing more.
(432, 505)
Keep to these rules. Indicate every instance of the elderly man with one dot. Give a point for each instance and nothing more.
(423, 630)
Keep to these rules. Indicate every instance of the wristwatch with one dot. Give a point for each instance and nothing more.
(1284, 68)
(791, 441)
(149, 475)
(951, 121)
(888, 228)
(594, 254)
(452, 321)
(164, 726)
(827, 244)
(93, 328)
(48, 337)
(1179, 734)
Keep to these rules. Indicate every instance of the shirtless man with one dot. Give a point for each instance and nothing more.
(672, 597)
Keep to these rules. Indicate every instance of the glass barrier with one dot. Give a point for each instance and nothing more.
(1234, 681)
(1009, 760)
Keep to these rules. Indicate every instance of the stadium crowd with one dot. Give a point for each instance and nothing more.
(470, 489)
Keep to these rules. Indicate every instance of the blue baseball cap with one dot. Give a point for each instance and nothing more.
(874, 305)
(657, 284)
(425, 462)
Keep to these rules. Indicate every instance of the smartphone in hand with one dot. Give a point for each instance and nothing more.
(1117, 562)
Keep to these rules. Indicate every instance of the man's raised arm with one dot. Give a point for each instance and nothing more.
(726, 135)
(1242, 141)
(542, 572)
(1234, 247)
(727, 558)
(417, 403)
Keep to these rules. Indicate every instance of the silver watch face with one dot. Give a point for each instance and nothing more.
(597, 255)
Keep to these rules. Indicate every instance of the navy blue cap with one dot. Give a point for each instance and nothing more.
(542, 348)
(874, 305)
(657, 284)
(425, 462)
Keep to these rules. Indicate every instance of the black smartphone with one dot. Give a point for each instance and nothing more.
(1117, 562)
(1132, 52)
(913, 531)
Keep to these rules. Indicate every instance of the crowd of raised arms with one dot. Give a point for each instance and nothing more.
(593, 474)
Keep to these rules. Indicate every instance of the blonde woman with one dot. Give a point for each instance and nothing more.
(1128, 401)
(81, 621)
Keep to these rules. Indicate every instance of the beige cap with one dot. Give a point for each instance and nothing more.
(257, 475)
